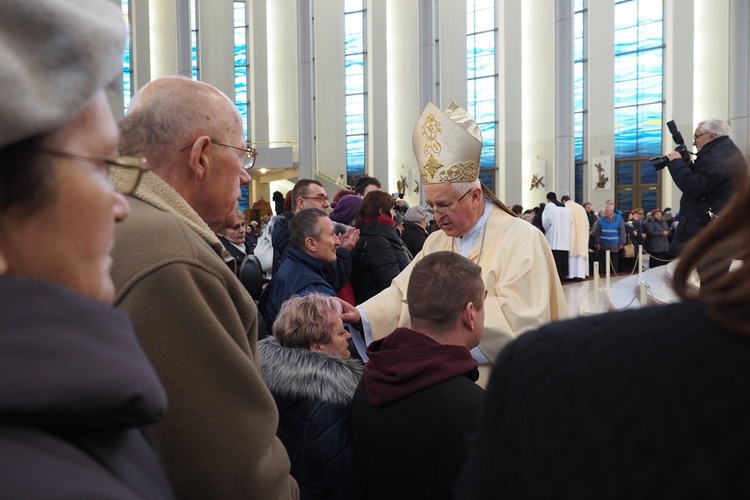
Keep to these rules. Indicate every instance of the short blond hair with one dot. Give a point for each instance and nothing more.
(305, 320)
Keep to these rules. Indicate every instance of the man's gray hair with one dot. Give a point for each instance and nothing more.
(715, 126)
(461, 187)
(305, 224)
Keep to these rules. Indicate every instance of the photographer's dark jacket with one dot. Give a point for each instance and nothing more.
(709, 182)
(313, 391)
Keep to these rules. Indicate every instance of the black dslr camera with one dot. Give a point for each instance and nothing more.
(662, 161)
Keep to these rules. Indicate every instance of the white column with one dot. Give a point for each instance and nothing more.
(427, 53)
(330, 89)
(512, 174)
(403, 53)
(599, 84)
(376, 35)
(305, 78)
(216, 42)
(564, 152)
(739, 72)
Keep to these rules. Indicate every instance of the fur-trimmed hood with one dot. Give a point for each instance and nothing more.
(301, 373)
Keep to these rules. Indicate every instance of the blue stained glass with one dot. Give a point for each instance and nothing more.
(626, 40)
(649, 175)
(482, 20)
(650, 35)
(353, 23)
(649, 89)
(650, 62)
(625, 173)
(578, 49)
(354, 43)
(578, 183)
(355, 124)
(488, 133)
(625, 200)
(479, 66)
(649, 200)
(487, 159)
(650, 11)
(578, 135)
(487, 176)
(354, 66)
(626, 14)
(626, 67)
(481, 73)
(355, 104)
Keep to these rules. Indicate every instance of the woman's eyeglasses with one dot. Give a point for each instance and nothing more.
(124, 172)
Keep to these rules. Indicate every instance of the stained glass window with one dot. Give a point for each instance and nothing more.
(354, 81)
(127, 67)
(241, 67)
(639, 52)
(580, 111)
(194, 56)
(482, 80)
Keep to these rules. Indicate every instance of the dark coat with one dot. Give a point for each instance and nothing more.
(336, 274)
(414, 237)
(76, 387)
(300, 274)
(313, 391)
(709, 182)
(412, 419)
(593, 408)
(657, 242)
(378, 257)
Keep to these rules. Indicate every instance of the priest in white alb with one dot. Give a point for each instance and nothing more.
(523, 291)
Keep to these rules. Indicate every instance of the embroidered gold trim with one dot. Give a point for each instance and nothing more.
(460, 172)
(430, 130)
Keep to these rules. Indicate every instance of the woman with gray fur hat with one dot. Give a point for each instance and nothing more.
(307, 368)
(76, 385)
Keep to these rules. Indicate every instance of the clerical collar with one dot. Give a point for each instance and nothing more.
(465, 243)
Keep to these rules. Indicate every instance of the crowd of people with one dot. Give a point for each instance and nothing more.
(134, 363)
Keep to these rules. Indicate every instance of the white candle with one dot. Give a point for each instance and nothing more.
(596, 287)
(609, 264)
(644, 293)
(640, 262)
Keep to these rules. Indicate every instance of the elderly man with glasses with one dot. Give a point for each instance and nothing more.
(516, 260)
(192, 315)
(708, 184)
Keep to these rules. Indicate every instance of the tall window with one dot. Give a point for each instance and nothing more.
(580, 111)
(482, 80)
(241, 68)
(194, 56)
(354, 80)
(127, 67)
(639, 51)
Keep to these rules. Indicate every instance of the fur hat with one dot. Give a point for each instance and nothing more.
(345, 209)
(55, 55)
(415, 214)
(447, 145)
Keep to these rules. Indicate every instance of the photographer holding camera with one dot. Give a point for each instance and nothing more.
(706, 185)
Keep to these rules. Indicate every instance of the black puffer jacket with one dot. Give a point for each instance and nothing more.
(313, 392)
(709, 182)
(378, 257)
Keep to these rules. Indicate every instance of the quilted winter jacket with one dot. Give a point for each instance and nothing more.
(313, 391)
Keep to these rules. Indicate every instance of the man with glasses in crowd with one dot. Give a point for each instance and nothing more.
(516, 261)
(307, 193)
(192, 315)
(708, 184)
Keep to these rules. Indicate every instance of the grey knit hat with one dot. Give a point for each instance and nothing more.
(415, 214)
(55, 55)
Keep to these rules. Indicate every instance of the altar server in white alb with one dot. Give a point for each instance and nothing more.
(523, 291)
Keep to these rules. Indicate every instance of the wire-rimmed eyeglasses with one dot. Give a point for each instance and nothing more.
(247, 159)
(444, 210)
(126, 179)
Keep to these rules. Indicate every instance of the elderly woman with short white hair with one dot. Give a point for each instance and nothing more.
(307, 368)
